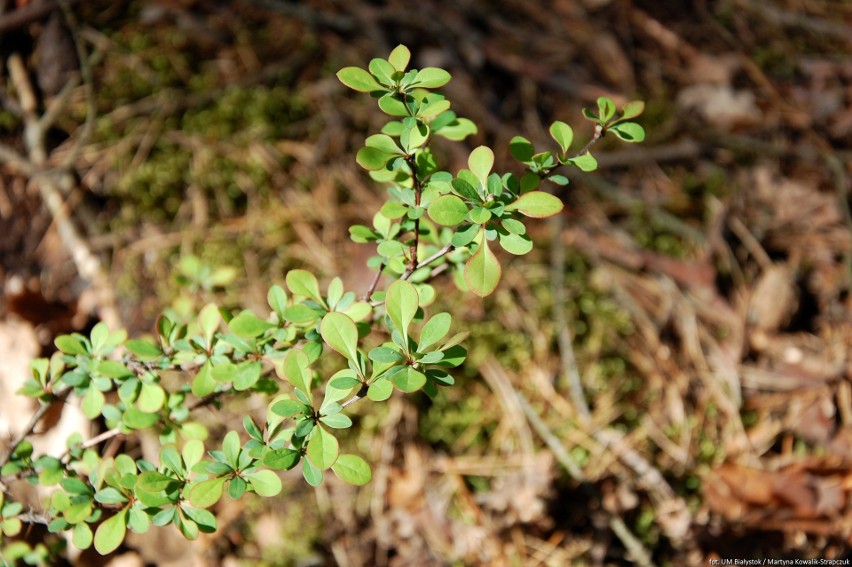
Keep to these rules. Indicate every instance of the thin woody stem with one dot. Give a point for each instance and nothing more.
(418, 191)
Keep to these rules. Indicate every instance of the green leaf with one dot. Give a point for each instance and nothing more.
(304, 283)
(632, 109)
(466, 190)
(401, 303)
(518, 244)
(312, 474)
(154, 481)
(457, 130)
(480, 215)
(434, 330)
(337, 421)
(323, 448)
(151, 398)
(110, 533)
(628, 131)
(385, 354)
(248, 325)
(264, 482)
(585, 162)
(482, 271)
(409, 380)
(248, 373)
(297, 370)
(393, 106)
(352, 469)
(448, 210)
(480, 161)
(134, 418)
(372, 159)
(399, 57)
(563, 134)
(521, 149)
(143, 349)
(431, 78)
(81, 536)
(207, 492)
(606, 108)
(288, 408)
(277, 299)
(341, 334)
(536, 204)
(203, 384)
(92, 403)
(382, 71)
(70, 344)
(205, 519)
(384, 143)
(231, 447)
(380, 390)
(110, 495)
(281, 459)
(208, 321)
(358, 79)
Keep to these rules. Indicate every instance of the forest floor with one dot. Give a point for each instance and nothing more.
(696, 288)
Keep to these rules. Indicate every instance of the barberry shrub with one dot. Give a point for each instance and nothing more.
(433, 221)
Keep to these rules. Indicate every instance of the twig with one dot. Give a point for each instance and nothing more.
(28, 430)
(418, 190)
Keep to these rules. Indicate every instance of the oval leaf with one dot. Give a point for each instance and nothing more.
(563, 134)
(323, 449)
(482, 271)
(110, 534)
(481, 161)
(352, 469)
(207, 492)
(401, 302)
(448, 210)
(358, 79)
(341, 334)
(431, 78)
(265, 483)
(537, 204)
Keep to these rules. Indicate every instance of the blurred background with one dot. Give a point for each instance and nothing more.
(665, 380)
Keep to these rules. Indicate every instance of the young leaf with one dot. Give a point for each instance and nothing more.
(401, 302)
(203, 384)
(585, 162)
(304, 283)
(341, 334)
(323, 449)
(481, 161)
(431, 78)
(399, 57)
(380, 390)
(536, 204)
(606, 108)
(521, 149)
(277, 299)
(448, 210)
(409, 380)
(382, 70)
(264, 482)
(281, 459)
(352, 469)
(518, 244)
(563, 134)
(358, 79)
(465, 189)
(110, 533)
(628, 131)
(207, 492)
(248, 325)
(434, 330)
(208, 321)
(482, 271)
(312, 474)
(297, 371)
(632, 109)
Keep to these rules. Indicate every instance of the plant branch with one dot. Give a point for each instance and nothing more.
(418, 191)
(29, 429)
